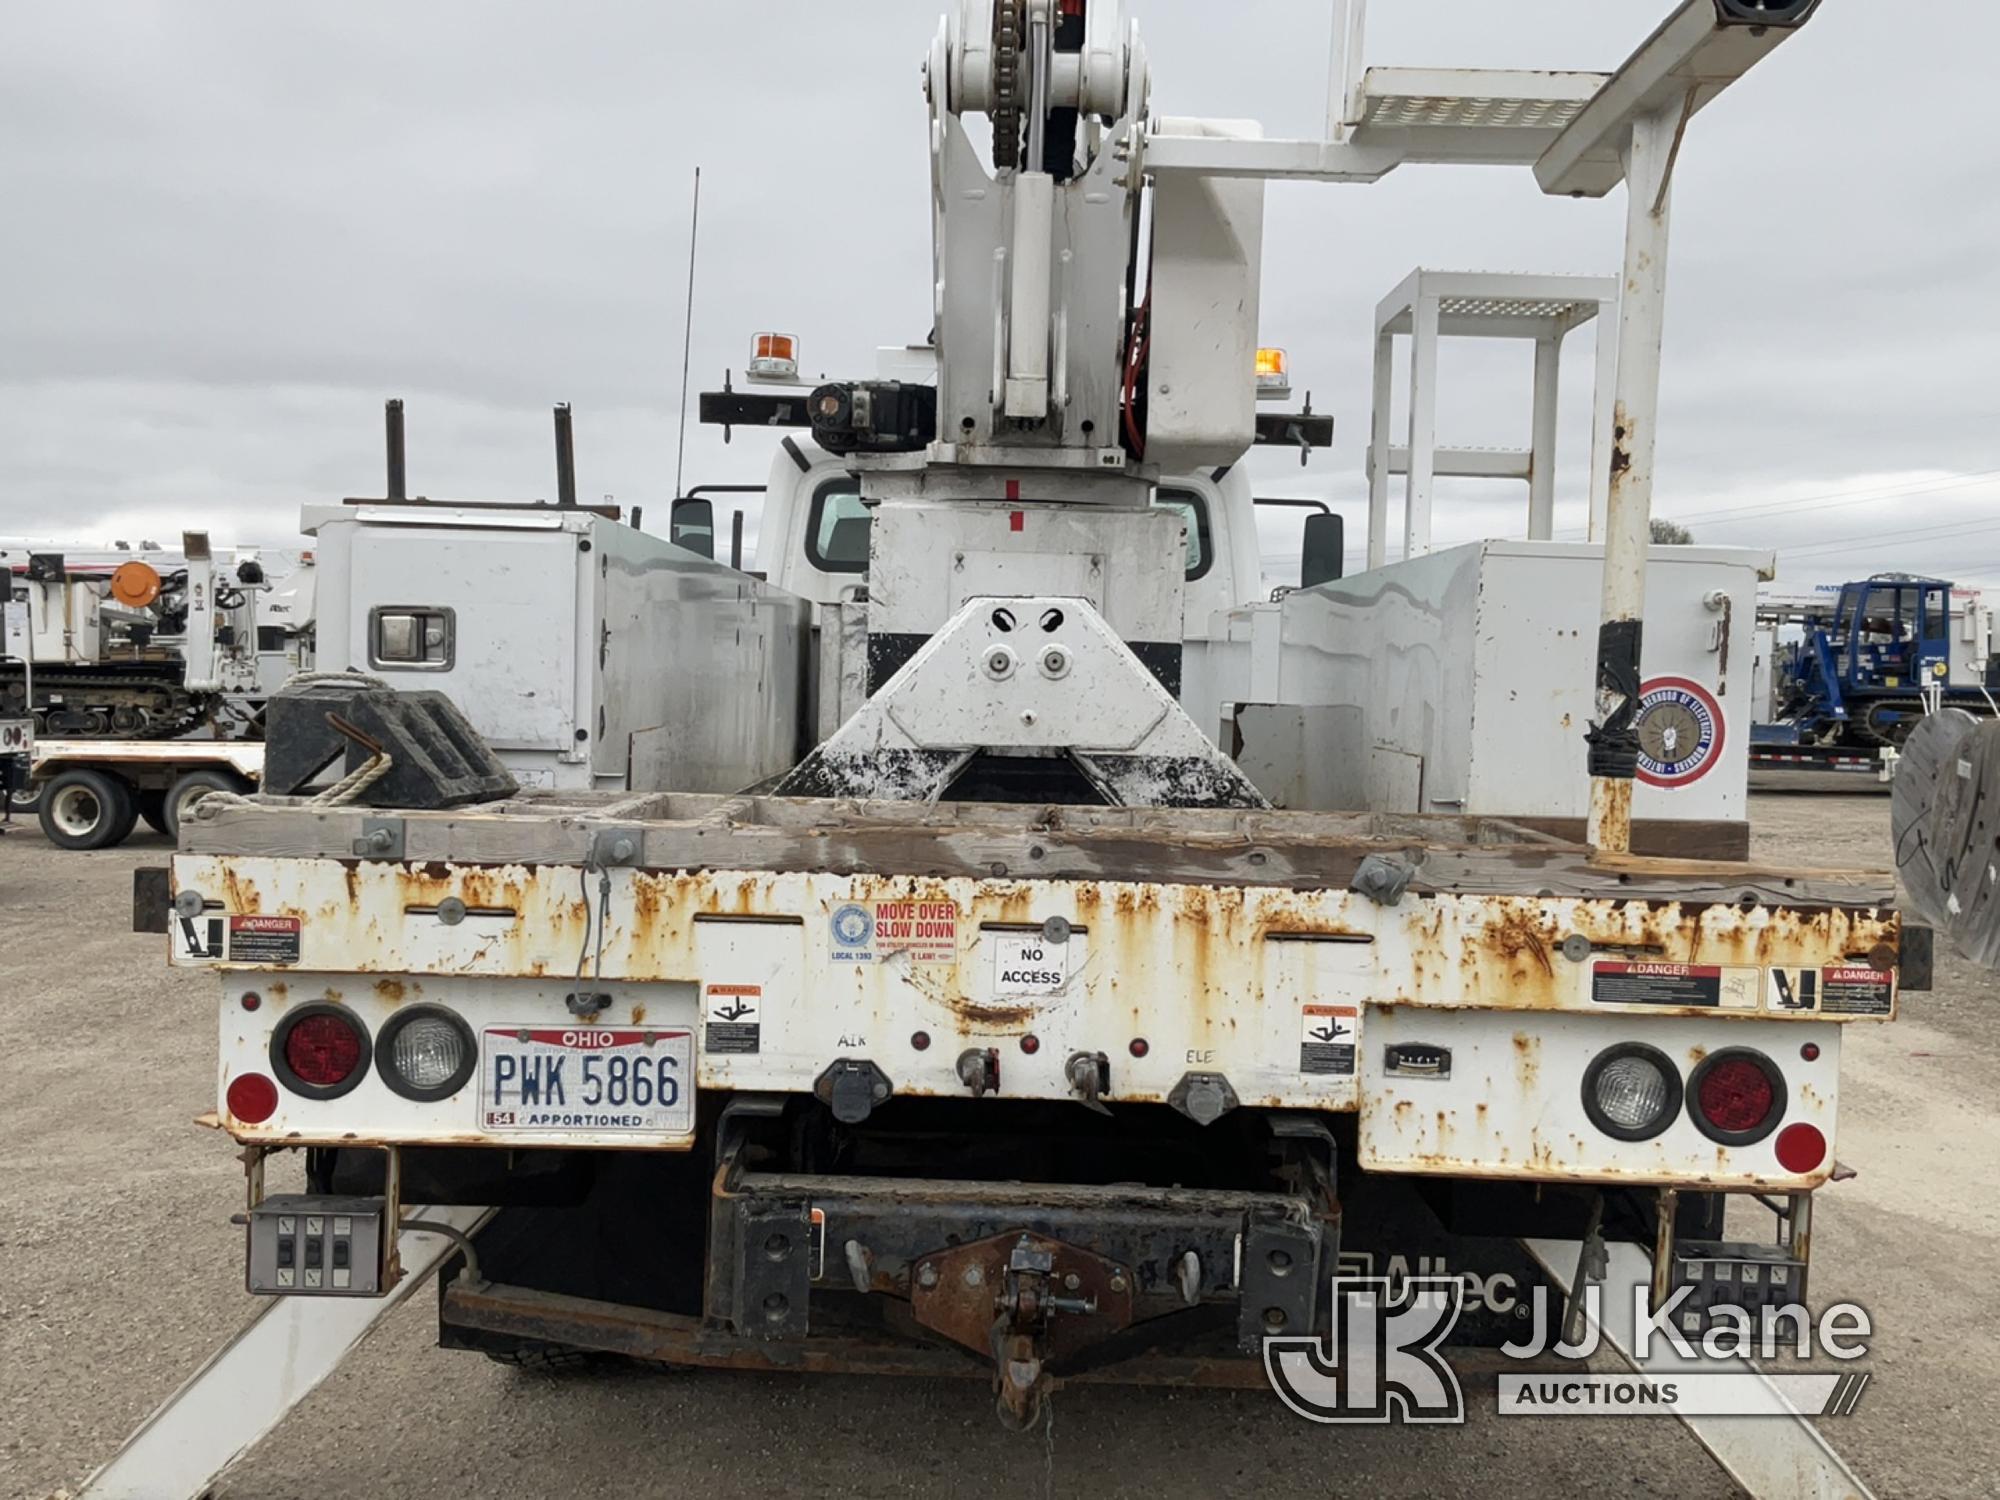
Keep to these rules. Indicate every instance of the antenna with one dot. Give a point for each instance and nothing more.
(687, 332)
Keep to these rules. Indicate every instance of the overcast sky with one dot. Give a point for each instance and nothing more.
(232, 228)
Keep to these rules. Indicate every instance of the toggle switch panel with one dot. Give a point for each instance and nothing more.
(318, 1246)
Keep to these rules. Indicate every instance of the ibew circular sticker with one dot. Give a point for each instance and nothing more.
(852, 926)
(1680, 731)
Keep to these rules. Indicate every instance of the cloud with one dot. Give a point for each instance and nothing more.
(233, 229)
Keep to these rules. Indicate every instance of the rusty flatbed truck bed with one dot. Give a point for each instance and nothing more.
(895, 1057)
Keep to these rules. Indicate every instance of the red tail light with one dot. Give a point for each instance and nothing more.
(1736, 1095)
(323, 1050)
(1739, 1096)
(252, 1098)
(320, 1050)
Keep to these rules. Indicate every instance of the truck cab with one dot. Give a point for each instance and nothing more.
(814, 535)
(1893, 632)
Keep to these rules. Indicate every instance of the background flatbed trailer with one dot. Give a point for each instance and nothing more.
(90, 794)
(1843, 759)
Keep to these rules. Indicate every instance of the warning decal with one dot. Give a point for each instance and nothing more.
(1714, 985)
(264, 940)
(1856, 990)
(1793, 990)
(1327, 1035)
(731, 1017)
(198, 937)
(868, 932)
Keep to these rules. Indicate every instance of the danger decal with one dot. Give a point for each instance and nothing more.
(265, 940)
(1715, 986)
(1837, 989)
(1856, 990)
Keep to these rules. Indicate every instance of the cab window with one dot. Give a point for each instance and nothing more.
(1937, 614)
(1193, 508)
(1890, 617)
(837, 527)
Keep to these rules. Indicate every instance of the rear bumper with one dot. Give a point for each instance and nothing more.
(1086, 1272)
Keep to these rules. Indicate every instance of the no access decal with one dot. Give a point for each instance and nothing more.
(1722, 987)
(1026, 964)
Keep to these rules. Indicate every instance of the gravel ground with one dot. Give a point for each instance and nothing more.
(119, 1272)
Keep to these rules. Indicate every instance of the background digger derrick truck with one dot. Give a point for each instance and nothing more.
(1009, 1033)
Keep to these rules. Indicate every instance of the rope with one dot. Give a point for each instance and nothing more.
(347, 678)
(349, 788)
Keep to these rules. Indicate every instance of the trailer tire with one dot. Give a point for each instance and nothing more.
(188, 789)
(87, 810)
(25, 801)
(547, 1359)
(152, 807)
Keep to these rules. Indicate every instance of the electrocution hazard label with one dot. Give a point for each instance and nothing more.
(730, 1017)
(1715, 985)
(1327, 1034)
(264, 940)
(1856, 990)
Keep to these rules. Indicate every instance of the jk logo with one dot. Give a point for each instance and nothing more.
(1381, 1363)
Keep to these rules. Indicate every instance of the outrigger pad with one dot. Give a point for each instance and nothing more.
(436, 758)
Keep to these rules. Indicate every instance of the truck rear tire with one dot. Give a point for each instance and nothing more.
(152, 807)
(548, 1359)
(188, 789)
(87, 810)
(24, 801)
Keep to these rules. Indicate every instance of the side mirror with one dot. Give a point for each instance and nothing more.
(691, 524)
(1325, 549)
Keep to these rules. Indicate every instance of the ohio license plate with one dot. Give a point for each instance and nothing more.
(616, 1080)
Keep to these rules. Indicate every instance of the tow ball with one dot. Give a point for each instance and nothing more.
(1032, 1302)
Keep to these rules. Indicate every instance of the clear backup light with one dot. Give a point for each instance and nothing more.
(426, 1053)
(1631, 1092)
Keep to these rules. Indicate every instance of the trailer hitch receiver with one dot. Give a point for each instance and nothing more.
(1030, 1300)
